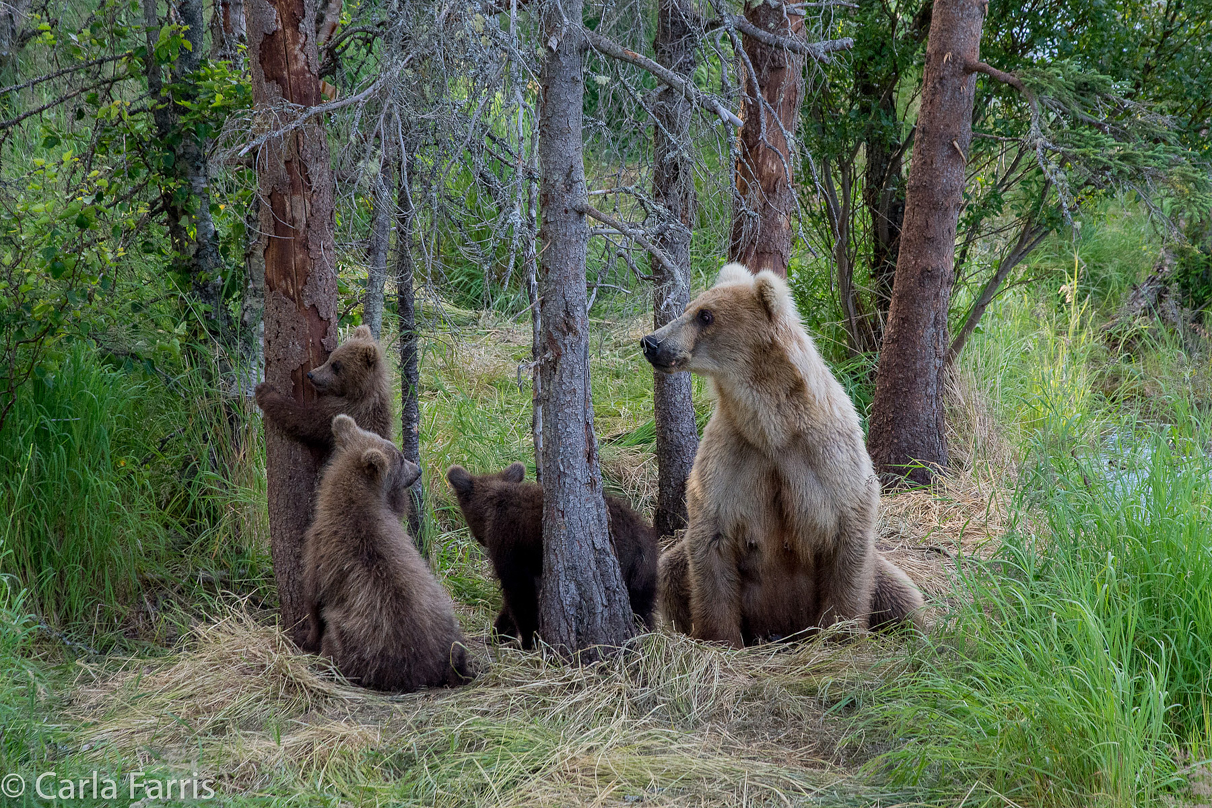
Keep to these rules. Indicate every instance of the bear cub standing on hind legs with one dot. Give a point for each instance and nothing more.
(375, 608)
(782, 497)
(505, 515)
(352, 382)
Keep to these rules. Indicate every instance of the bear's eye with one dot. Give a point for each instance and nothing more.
(336, 367)
(706, 317)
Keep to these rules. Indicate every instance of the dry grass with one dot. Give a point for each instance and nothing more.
(674, 721)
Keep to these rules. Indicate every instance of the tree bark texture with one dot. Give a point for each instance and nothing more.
(377, 247)
(765, 199)
(294, 178)
(228, 30)
(906, 436)
(410, 373)
(677, 437)
(583, 604)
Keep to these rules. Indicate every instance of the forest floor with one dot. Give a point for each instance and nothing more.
(669, 722)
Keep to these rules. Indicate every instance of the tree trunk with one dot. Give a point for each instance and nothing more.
(252, 304)
(530, 259)
(765, 199)
(410, 375)
(227, 30)
(677, 437)
(583, 604)
(906, 436)
(297, 221)
(377, 247)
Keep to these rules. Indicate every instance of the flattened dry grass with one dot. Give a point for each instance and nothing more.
(671, 721)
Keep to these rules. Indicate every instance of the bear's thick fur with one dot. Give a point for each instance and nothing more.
(894, 595)
(782, 498)
(505, 515)
(375, 608)
(352, 382)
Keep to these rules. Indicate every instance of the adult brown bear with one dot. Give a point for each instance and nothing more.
(782, 498)
(375, 608)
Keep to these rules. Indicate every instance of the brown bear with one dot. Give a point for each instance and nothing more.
(375, 608)
(782, 498)
(353, 381)
(505, 515)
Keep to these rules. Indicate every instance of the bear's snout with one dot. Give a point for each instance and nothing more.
(665, 355)
(651, 346)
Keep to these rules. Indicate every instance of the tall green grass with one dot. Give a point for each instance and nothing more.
(118, 488)
(1079, 671)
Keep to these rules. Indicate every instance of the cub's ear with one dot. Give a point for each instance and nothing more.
(343, 428)
(362, 332)
(733, 273)
(773, 294)
(367, 353)
(515, 473)
(459, 479)
(375, 463)
(409, 473)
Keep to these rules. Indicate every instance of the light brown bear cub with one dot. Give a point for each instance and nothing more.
(352, 382)
(505, 515)
(782, 497)
(375, 608)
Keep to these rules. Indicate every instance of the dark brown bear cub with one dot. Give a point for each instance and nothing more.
(505, 515)
(352, 382)
(375, 609)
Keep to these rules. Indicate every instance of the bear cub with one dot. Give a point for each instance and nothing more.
(375, 609)
(505, 515)
(352, 382)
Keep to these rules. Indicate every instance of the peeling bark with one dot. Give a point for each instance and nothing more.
(295, 183)
(765, 199)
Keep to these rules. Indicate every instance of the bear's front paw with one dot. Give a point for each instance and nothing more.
(264, 392)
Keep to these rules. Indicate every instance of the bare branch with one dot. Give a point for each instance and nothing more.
(49, 76)
(633, 233)
(608, 47)
(817, 50)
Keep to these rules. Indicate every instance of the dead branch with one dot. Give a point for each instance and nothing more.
(633, 233)
(817, 50)
(608, 47)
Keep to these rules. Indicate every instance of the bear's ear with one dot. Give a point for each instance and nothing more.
(363, 332)
(409, 473)
(459, 479)
(733, 273)
(515, 473)
(375, 463)
(343, 428)
(773, 294)
(368, 353)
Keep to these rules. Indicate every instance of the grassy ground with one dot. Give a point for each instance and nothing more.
(1067, 560)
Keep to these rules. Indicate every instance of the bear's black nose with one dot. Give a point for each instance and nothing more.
(309, 374)
(651, 346)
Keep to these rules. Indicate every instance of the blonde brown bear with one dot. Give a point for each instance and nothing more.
(782, 497)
